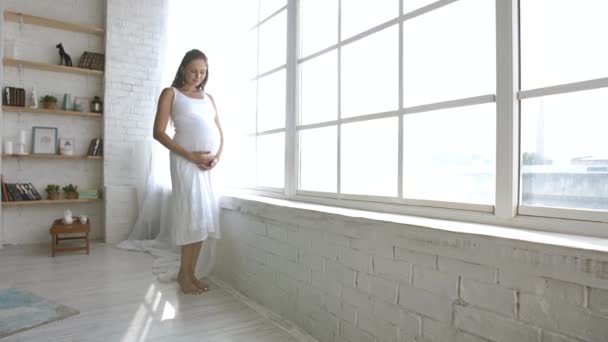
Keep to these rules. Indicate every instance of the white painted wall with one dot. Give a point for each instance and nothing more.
(344, 278)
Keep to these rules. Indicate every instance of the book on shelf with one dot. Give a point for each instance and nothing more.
(4, 190)
(96, 147)
(92, 60)
(12, 96)
(88, 194)
(12, 192)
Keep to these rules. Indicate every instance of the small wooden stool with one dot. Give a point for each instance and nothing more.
(76, 227)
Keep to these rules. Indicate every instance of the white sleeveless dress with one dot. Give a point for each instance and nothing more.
(194, 205)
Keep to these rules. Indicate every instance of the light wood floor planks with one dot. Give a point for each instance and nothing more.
(120, 300)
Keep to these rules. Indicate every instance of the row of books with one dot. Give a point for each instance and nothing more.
(92, 60)
(96, 147)
(12, 96)
(12, 192)
(88, 193)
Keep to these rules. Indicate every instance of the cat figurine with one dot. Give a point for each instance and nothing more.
(63, 56)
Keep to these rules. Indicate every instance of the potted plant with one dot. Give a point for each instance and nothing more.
(48, 101)
(70, 191)
(52, 191)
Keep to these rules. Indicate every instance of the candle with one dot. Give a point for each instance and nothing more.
(8, 147)
(22, 137)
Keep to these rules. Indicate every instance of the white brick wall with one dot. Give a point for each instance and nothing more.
(133, 74)
(387, 282)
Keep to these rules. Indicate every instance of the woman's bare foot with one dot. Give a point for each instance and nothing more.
(201, 285)
(188, 285)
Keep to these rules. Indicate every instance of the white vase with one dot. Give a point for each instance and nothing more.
(67, 217)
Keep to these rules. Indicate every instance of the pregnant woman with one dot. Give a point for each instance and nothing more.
(195, 150)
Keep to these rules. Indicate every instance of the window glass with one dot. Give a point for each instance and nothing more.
(271, 101)
(362, 15)
(370, 71)
(369, 157)
(564, 150)
(268, 7)
(271, 160)
(319, 159)
(446, 57)
(273, 43)
(319, 25)
(319, 89)
(562, 41)
(449, 155)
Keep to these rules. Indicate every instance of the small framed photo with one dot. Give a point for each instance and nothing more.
(66, 146)
(82, 103)
(44, 140)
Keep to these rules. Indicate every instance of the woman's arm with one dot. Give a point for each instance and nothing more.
(219, 127)
(160, 125)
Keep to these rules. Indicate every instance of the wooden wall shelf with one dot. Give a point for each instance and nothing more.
(50, 156)
(49, 111)
(51, 67)
(52, 23)
(43, 202)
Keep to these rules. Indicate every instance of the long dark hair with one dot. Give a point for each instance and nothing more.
(191, 55)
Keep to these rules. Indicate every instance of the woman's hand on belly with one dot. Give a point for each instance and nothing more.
(201, 157)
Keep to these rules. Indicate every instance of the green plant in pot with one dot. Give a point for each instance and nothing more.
(70, 191)
(48, 101)
(52, 191)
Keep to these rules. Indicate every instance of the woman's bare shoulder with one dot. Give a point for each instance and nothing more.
(167, 92)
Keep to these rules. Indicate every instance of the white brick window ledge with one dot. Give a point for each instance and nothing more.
(580, 259)
(295, 211)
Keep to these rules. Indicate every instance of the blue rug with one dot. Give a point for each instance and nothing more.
(21, 310)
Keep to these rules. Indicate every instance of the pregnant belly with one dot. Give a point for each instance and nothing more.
(203, 139)
(210, 141)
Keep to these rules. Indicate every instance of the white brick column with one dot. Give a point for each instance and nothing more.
(133, 74)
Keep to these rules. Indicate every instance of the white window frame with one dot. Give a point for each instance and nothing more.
(506, 210)
(265, 190)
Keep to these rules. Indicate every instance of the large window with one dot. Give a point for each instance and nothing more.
(564, 145)
(406, 105)
(401, 105)
(267, 43)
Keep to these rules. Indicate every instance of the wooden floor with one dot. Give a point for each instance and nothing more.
(120, 300)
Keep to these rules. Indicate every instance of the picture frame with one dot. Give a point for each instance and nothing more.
(82, 103)
(44, 140)
(66, 146)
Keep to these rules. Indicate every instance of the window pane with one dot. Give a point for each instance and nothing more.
(245, 124)
(271, 160)
(319, 89)
(271, 101)
(319, 25)
(564, 150)
(449, 155)
(251, 54)
(240, 155)
(319, 159)
(569, 45)
(370, 71)
(267, 7)
(412, 5)
(273, 43)
(361, 15)
(449, 53)
(369, 157)
(249, 12)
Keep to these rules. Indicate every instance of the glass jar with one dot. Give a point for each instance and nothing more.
(96, 105)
